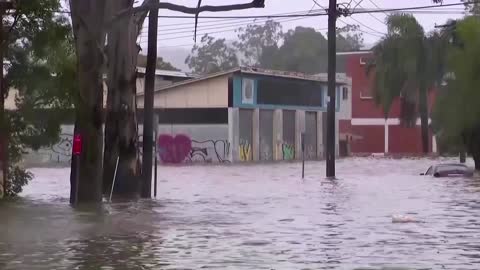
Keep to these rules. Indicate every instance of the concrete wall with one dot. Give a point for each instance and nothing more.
(246, 135)
(198, 143)
(58, 154)
(209, 93)
(206, 143)
(311, 135)
(345, 112)
(266, 135)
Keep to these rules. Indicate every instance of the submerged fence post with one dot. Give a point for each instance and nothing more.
(303, 155)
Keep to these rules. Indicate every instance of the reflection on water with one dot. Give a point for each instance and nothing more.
(253, 217)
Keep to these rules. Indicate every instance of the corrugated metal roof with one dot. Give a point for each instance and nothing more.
(252, 71)
(170, 73)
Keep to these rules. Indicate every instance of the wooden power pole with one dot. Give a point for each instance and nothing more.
(4, 6)
(330, 156)
(148, 103)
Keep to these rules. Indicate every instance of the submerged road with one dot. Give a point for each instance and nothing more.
(253, 217)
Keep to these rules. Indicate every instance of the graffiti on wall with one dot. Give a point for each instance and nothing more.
(288, 151)
(181, 148)
(172, 149)
(245, 151)
(210, 151)
(63, 148)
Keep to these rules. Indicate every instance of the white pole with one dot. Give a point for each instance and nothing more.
(114, 177)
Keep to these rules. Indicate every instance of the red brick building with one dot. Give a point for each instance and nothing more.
(372, 133)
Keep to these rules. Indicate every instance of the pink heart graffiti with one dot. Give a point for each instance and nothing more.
(174, 150)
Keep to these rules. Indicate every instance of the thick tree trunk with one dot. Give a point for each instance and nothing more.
(88, 21)
(423, 106)
(121, 129)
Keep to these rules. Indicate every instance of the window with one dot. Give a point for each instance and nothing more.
(429, 171)
(288, 92)
(345, 93)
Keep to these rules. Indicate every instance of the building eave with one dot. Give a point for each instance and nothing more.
(252, 71)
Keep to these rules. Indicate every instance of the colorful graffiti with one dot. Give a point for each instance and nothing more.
(245, 151)
(202, 151)
(179, 149)
(174, 150)
(288, 151)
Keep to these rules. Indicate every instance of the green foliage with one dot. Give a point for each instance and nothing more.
(41, 67)
(253, 40)
(267, 46)
(161, 64)
(306, 50)
(349, 39)
(456, 110)
(407, 64)
(211, 56)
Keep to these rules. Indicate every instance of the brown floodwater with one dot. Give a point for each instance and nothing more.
(253, 217)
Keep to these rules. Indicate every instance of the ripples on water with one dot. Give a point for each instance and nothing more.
(253, 217)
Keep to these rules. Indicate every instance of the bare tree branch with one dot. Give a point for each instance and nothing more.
(140, 17)
(189, 10)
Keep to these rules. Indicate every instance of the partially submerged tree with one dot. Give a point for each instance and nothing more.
(88, 18)
(92, 21)
(456, 110)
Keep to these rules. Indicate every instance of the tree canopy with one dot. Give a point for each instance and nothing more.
(40, 65)
(213, 55)
(161, 64)
(302, 49)
(455, 116)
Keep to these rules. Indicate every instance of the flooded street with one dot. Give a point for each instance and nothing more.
(253, 217)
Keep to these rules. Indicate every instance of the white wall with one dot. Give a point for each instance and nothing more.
(209, 93)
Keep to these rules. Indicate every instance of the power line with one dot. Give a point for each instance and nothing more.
(375, 4)
(224, 31)
(415, 8)
(231, 20)
(232, 23)
(228, 27)
(342, 21)
(359, 4)
(317, 14)
(366, 26)
(219, 26)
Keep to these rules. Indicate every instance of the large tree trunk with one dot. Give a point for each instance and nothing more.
(121, 129)
(423, 106)
(88, 21)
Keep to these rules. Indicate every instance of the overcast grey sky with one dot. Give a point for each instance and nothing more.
(175, 32)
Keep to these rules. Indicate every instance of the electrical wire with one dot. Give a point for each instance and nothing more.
(347, 24)
(317, 14)
(223, 31)
(373, 16)
(375, 4)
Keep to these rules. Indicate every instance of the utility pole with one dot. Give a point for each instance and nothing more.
(332, 49)
(4, 6)
(148, 102)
